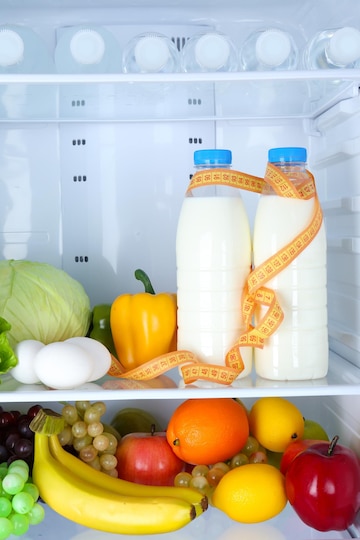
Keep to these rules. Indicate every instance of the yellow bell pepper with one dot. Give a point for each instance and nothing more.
(143, 325)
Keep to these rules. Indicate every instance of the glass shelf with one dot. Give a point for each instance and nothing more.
(343, 379)
(213, 525)
(173, 97)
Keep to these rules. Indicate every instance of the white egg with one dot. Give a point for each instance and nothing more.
(100, 354)
(26, 351)
(62, 365)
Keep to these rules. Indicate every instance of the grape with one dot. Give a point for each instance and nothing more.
(6, 528)
(101, 443)
(81, 406)
(32, 489)
(258, 457)
(250, 446)
(21, 471)
(36, 514)
(24, 428)
(66, 436)
(70, 414)
(5, 507)
(12, 483)
(23, 448)
(78, 444)
(100, 407)
(79, 429)
(182, 479)
(221, 465)
(19, 463)
(32, 411)
(238, 460)
(92, 415)
(20, 523)
(12, 438)
(214, 476)
(111, 449)
(200, 470)
(199, 482)
(88, 453)
(95, 463)
(6, 419)
(108, 462)
(95, 429)
(112, 472)
(3, 472)
(22, 502)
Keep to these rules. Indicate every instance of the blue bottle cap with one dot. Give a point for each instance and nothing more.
(212, 157)
(288, 154)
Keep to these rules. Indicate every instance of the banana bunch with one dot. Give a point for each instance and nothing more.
(96, 500)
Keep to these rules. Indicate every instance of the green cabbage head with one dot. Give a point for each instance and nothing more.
(41, 302)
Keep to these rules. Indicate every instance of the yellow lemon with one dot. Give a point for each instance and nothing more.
(251, 493)
(275, 422)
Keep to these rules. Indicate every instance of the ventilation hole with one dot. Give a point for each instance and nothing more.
(78, 142)
(79, 178)
(81, 259)
(194, 101)
(78, 103)
(195, 140)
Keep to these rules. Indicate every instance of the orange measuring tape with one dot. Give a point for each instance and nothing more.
(255, 293)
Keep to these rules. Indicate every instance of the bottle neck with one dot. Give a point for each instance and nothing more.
(205, 166)
(294, 170)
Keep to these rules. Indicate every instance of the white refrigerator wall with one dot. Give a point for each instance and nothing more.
(93, 175)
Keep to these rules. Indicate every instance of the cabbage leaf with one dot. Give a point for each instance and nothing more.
(8, 359)
(42, 302)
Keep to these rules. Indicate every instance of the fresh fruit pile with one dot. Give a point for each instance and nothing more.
(85, 433)
(280, 458)
(212, 450)
(16, 437)
(18, 500)
(99, 501)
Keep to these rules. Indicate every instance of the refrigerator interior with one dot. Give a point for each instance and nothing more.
(93, 170)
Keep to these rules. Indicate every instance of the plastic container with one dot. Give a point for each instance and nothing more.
(85, 49)
(23, 51)
(213, 255)
(150, 52)
(333, 48)
(269, 49)
(298, 349)
(209, 52)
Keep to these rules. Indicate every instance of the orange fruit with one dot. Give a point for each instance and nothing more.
(205, 431)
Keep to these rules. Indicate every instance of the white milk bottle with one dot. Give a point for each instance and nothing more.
(213, 256)
(298, 349)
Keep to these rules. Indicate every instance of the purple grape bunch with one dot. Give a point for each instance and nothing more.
(16, 437)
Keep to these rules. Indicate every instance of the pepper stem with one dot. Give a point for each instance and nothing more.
(332, 445)
(145, 280)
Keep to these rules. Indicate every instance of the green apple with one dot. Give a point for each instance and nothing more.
(313, 430)
(134, 420)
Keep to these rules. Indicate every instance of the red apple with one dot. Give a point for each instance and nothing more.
(323, 486)
(147, 458)
(294, 449)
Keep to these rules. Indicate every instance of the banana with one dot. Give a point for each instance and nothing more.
(116, 485)
(91, 506)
